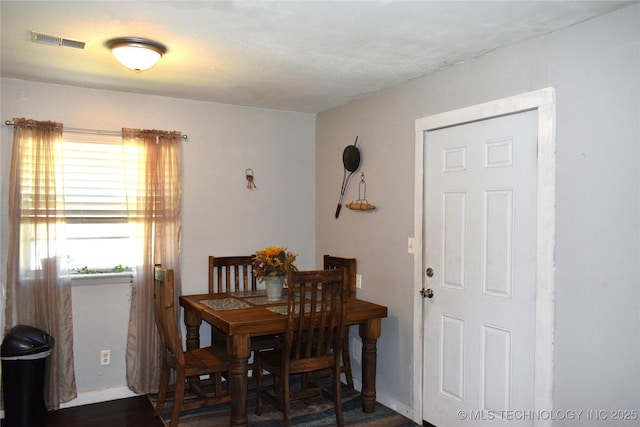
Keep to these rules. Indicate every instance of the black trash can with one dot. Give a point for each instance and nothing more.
(25, 364)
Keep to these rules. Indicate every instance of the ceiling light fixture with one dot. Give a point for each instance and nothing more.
(136, 53)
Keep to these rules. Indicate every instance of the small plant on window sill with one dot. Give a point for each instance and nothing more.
(117, 269)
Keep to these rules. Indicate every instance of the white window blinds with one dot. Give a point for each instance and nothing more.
(94, 184)
(99, 237)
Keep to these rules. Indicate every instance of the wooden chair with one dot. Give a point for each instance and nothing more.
(313, 341)
(188, 365)
(230, 274)
(330, 263)
(234, 274)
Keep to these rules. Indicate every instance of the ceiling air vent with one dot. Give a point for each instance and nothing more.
(55, 40)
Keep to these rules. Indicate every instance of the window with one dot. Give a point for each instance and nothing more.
(98, 233)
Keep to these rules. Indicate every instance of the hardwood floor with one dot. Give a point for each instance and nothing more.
(130, 412)
(138, 412)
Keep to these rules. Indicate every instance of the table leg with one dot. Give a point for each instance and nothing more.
(239, 349)
(369, 332)
(192, 321)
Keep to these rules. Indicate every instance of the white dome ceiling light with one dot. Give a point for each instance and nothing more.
(136, 53)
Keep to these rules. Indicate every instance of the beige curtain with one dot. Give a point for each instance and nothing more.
(38, 282)
(155, 210)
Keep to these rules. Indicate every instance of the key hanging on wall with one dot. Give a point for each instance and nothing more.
(250, 182)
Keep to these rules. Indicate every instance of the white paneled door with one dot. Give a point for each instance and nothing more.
(480, 265)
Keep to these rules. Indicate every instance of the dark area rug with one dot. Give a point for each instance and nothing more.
(320, 412)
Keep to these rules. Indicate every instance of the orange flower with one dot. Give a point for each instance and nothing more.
(273, 261)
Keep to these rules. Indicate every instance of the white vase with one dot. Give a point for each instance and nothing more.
(274, 286)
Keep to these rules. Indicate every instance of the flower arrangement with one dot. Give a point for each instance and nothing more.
(273, 261)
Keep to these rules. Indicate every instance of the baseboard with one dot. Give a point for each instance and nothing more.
(97, 396)
(388, 401)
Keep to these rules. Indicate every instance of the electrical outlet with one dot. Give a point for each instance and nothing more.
(358, 281)
(105, 357)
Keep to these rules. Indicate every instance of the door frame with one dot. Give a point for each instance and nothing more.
(543, 101)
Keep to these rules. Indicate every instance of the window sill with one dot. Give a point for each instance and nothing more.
(101, 278)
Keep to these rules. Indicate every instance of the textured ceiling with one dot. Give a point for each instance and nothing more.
(302, 56)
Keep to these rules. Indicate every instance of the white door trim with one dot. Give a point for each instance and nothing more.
(544, 102)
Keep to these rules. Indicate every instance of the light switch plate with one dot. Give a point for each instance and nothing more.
(410, 245)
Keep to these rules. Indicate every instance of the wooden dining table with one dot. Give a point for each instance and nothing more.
(242, 315)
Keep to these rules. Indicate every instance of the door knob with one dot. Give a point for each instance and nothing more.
(426, 293)
(429, 272)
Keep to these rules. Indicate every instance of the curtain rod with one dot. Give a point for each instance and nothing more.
(91, 131)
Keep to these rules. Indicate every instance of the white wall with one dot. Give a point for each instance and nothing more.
(100, 320)
(221, 215)
(595, 68)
